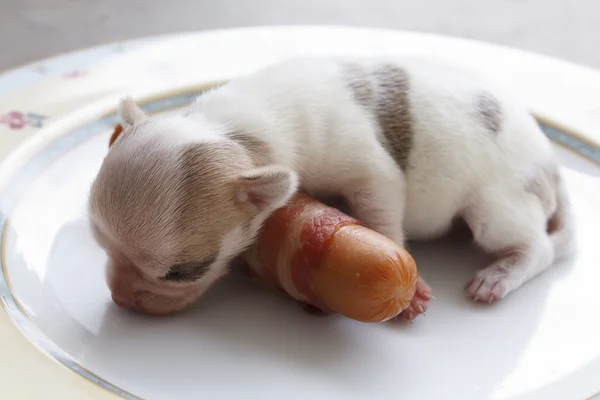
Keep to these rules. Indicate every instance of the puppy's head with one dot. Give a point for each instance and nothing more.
(173, 203)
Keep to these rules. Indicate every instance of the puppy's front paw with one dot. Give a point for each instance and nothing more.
(489, 285)
(419, 303)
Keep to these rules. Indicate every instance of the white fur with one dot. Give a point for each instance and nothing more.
(303, 109)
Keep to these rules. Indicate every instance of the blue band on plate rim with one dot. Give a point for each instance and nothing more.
(20, 181)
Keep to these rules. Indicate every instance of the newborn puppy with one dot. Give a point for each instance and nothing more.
(410, 144)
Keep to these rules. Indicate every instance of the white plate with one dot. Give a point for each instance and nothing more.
(546, 332)
(540, 342)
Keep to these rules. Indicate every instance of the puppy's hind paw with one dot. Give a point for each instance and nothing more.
(489, 285)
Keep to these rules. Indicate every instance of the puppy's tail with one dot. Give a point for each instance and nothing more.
(561, 227)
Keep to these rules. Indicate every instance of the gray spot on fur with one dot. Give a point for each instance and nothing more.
(259, 150)
(384, 91)
(544, 185)
(489, 112)
(360, 82)
(393, 111)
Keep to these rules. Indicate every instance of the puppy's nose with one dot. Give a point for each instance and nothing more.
(123, 302)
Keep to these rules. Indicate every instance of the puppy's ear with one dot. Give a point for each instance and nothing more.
(267, 188)
(129, 112)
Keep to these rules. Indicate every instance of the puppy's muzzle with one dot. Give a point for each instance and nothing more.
(123, 302)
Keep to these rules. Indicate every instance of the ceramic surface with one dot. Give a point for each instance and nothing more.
(540, 342)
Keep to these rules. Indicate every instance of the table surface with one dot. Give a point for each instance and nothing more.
(559, 28)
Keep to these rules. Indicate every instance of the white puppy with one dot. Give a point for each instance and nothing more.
(411, 144)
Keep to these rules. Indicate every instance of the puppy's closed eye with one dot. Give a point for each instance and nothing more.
(188, 272)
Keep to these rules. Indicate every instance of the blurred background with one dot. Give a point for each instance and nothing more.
(34, 29)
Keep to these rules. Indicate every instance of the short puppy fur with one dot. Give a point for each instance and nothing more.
(410, 144)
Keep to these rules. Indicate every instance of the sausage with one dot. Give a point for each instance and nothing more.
(324, 258)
